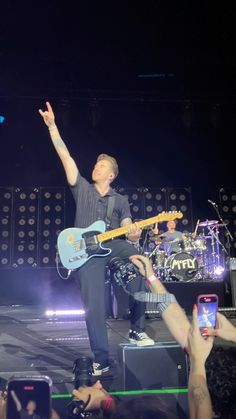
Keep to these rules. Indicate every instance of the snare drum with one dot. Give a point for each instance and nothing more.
(182, 266)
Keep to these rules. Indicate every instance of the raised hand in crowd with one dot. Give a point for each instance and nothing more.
(224, 330)
(172, 313)
(100, 398)
(2, 405)
(199, 348)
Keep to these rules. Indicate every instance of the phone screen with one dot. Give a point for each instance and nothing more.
(207, 309)
(28, 398)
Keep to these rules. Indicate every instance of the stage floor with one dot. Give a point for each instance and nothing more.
(33, 344)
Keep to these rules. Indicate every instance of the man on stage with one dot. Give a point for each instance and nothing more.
(92, 204)
(172, 239)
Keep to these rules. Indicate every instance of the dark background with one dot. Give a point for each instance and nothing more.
(173, 129)
(152, 83)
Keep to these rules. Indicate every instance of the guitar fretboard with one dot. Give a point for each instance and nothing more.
(167, 216)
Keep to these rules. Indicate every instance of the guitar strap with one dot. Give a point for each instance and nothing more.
(110, 207)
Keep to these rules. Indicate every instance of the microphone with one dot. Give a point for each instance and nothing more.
(212, 203)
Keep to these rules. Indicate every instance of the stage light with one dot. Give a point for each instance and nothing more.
(2, 119)
(135, 197)
(25, 227)
(218, 270)
(154, 201)
(6, 215)
(228, 212)
(180, 199)
(55, 313)
(51, 223)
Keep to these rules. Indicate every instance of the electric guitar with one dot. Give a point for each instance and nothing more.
(77, 245)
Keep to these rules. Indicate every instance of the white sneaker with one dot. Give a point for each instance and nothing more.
(98, 369)
(140, 338)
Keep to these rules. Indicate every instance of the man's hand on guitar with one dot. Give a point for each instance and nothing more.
(48, 116)
(134, 232)
(143, 264)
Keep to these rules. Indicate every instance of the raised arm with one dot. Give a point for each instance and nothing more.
(225, 329)
(200, 406)
(173, 315)
(61, 149)
(16, 401)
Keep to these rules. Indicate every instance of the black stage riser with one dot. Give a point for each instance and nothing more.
(186, 294)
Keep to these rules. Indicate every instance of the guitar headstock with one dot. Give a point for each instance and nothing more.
(169, 215)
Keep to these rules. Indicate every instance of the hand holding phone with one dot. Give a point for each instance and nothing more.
(207, 308)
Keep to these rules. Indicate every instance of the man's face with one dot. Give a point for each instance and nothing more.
(31, 406)
(102, 171)
(171, 225)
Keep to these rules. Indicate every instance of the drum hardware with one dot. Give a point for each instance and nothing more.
(199, 258)
(158, 258)
(208, 250)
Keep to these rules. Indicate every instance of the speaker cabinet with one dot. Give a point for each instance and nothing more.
(161, 366)
(233, 287)
(186, 293)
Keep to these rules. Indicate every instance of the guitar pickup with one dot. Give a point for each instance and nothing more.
(78, 245)
(90, 239)
(84, 256)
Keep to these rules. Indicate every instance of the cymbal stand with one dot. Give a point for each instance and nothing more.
(229, 237)
(215, 249)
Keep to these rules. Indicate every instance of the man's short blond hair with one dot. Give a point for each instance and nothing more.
(112, 160)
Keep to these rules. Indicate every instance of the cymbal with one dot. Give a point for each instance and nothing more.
(161, 239)
(155, 238)
(208, 223)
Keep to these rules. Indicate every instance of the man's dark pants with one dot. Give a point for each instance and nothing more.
(92, 285)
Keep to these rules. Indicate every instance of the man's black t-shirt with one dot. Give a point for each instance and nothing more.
(91, 206)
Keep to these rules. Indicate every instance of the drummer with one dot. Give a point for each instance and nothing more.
(171, 240)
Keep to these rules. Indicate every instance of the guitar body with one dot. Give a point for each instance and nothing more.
(77, 245)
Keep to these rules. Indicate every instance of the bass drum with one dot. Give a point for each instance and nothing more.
(182, 266)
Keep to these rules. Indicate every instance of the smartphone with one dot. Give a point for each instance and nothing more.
(29, 397)
(207, 308)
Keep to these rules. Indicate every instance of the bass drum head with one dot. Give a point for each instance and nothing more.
(182, 266)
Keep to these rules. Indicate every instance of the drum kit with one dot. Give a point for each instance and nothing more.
(199, 257)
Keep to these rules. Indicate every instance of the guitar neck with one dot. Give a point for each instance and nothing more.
(124, 230)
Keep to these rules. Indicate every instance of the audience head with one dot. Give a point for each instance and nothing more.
(221, 377)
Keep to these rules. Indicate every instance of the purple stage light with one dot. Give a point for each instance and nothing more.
(51, 313)
(219, 270)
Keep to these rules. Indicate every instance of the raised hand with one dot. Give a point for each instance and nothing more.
(143, 264)
(134, 232)
(97, 393)
(48, 116)
(225, 330)
(199, 348)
